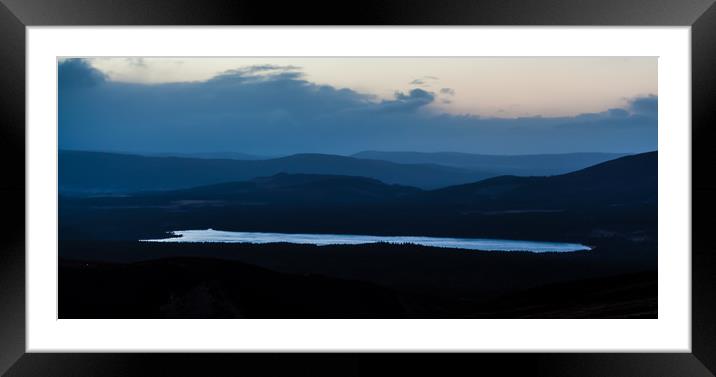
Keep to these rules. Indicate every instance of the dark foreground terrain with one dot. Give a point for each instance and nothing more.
(147, 280)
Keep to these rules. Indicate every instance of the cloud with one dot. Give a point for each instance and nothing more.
(264, 68)
(648, 105)
(618, 113)
(423, 81)
(274, 110)
(76, 73)
(137, 62)
(447, 91)
(416, 98)
(263, 72)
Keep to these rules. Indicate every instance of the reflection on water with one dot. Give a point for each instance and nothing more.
(210, 235)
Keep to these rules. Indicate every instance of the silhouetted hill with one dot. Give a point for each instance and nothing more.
(293, 189)
(524, 165)
(626, 181)
(613, 199)
(87, 172)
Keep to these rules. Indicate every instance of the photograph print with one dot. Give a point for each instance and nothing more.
(357, 187)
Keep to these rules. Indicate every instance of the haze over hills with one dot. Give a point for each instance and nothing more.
(624, 181)
(111, 172)
(618, 195)
(100, 172)
(212, 155)
(526, 165)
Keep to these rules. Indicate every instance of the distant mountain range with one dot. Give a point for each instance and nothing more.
(212, 155)
(614, 197)
(523, 165)
(625, 181)
(111, 172)
(98, 172)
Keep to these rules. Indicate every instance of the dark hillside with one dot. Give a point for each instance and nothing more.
(616, 198)
(97, 172)
(626, 181)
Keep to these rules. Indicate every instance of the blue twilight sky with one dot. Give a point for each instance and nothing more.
(346, 105)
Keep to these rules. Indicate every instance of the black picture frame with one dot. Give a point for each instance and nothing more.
(15, 15)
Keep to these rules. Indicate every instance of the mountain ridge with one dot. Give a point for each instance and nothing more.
(628, 178)
(615, 198)
(114, 172)
(109, 172)
(530, 164)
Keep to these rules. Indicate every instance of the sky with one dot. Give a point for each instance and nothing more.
(503, 87)
(279, 106)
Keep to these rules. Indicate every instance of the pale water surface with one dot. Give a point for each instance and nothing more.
(210, 235)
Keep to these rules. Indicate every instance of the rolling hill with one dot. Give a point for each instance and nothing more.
(97, 172)
(625, 181)
(292, 189)
(612, 206)
(525, 165)
(618, 197)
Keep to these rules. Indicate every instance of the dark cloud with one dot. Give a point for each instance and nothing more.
(408, 102)
(618, 113)
(648, 105)
(417, 82)
(270, 111)
(75, 73)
